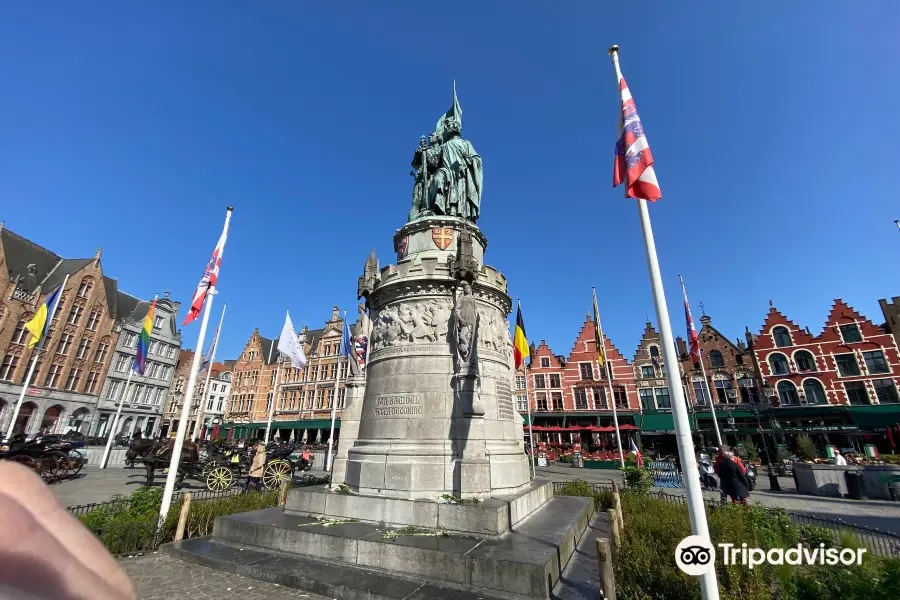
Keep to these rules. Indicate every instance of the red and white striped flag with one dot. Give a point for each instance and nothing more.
(633, 165)
(693, 339)
(210, 278)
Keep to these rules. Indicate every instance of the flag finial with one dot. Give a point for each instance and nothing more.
(613, 49)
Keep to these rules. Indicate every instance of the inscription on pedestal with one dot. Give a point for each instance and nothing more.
(505, 409)
(398, 406)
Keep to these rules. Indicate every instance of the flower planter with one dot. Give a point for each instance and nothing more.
(601, 464)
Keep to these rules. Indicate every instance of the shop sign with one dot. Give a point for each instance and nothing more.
(34, 392)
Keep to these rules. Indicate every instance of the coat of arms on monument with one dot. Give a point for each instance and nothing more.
(402, 246)
(442, 236)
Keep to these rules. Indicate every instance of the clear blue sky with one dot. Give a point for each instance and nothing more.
(132, 125)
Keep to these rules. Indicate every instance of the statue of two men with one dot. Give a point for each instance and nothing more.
(448, 174)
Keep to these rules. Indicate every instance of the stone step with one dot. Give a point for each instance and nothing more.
(526, 562)
(333, 580)
(581, 577)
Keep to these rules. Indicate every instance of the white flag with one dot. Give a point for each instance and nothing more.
(289, 344)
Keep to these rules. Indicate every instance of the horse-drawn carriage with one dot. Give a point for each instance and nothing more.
(52, 457)
(218, 467)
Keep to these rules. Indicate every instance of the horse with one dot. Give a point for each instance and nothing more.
(137, 450)
(159, 456)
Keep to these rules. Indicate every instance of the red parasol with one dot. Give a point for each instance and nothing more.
(890, 436)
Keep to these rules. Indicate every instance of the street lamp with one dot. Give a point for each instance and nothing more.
(773, 476)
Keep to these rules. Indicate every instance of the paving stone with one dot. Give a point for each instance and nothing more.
(159, 577)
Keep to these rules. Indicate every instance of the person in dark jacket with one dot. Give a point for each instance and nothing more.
(733, 479)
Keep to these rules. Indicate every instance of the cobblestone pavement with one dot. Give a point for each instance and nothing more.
(158, 577)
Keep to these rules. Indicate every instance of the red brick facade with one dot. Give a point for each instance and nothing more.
(852, 362)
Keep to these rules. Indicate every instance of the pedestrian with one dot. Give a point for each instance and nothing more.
(306, 458)
(733, 480)
(839, 458)
(257, 466)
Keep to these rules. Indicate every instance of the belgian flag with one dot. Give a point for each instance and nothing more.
(520, 341)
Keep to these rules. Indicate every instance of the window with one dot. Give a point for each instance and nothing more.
(102, 350)
(857, 393)
(130, 340)
(153, 371)
(84, 290)
(83, 347)
(580, 399)
(20, 331)
(739, 359)
(701, 391)
(122, 361)
(586, 370)
(850, 333)
(787, 393)
(219, 405)
(539, 382)
(75, 315)
(814, 392)
(779, 364)
(654, 352)
(556, 397)
(520, 382)
(344, 370)
(157, 321)
(782, 336)
(53, 376)
(875, 362)
(166, 373)
(715, 359)
(646, 396)
(72, 381)
(93, 379)
(172, 351)
(332, 370)
(886, 391)
(648, 372)
(621, 396)
(342, 394)
(554, 380)
(541, 401)
(93, 320)
(600, 398)
(8, 368)
(805, 361)
(521, 404)
(65, 341)
(747, 387)
(725, 392)
(153, 346)
(662, 398)
(320, 398)
(545, 362)
(846, 364)
(112, 392)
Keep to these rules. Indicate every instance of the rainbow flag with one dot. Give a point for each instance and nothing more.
(140, 361)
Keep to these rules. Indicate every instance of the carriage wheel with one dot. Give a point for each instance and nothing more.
(276, 473)
(76, 462)
(52, 465)
(219, 478)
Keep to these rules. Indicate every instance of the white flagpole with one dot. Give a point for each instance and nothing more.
(192, 382)
(607, 366)
(198, 424)
(115, 422)
(334, 399)
(709, 588)
(705, 378)
(528, 405)
(36, 354)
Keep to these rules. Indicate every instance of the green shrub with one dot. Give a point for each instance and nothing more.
(806, 448)
(748, 451)
(637, 479)
(603, 499)
(645, 562)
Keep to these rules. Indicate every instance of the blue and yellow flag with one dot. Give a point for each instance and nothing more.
(40, 323)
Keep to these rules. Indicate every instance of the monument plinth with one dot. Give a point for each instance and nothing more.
(431, 494)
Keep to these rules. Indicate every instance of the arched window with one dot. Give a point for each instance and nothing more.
(20, 333)
(84, 290)
(814, 391)
(805, 361)
(778, 363)
(787, 393)
(782, 336)
(654, 352)
(715, 359)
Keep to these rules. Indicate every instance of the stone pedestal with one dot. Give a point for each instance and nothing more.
(355, 386)
(429, 425)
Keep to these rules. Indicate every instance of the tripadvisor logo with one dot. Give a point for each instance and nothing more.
(695, 555)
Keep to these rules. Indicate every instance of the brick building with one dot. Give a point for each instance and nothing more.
(304, 398)
(573, 391)
(841, 383)
(220, 392)
(77, 352)
(891, 312)
(732, 381)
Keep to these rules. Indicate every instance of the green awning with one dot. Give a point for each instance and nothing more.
(876, 417)
(658, 422)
